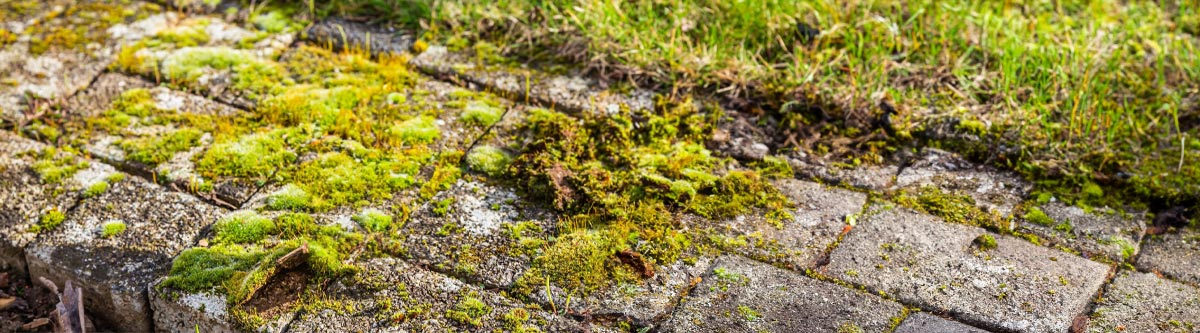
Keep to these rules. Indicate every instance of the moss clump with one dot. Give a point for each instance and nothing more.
(489, 160)
(243, 227)
(420, 129)
(273, 21)
(954, 208)
(1036, 215)
(469, 310)
(112, 228)
(250, 74)
(256, 155)
(53, 167)
(290, 197)
(192, 32)
(580, 261)
(481, 114)
(748, 313)
(985, 242)
(515, 321)
(373, 220)
(337, 179)
(49, 220)
(95, 189)
(158, 149)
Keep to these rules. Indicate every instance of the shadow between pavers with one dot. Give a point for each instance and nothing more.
(742, 295)
(114, 271)
(996, 282)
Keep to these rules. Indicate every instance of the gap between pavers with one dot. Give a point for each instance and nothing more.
(992, 281)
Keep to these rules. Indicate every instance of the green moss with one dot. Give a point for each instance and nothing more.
(469, 310)
(1036, 215)
(774, 168)
(158, 149)
(748, 313)
(250, 74)
(972, 126)
(114, 178)
(53, 167)
(577, 261)
(95, 189)
(849, 328)
(481, 114)
(294, 225)
(442, 207)
(1092, 191)
(49, 221)
(952, 207)
(420, 129)
(112, 228)
(515, 321)
(289, 197)
(203, 269)
(190, 33)
(273, 22)
(985, 242)
(243, 227)
(373, 220)
(336, 179)
(489, 160)
(256, 155)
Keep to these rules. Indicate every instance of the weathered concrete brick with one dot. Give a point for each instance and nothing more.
(115, 271)
(870, 177)
(181, 311)
(1143, 302)
(392, 295)
(820, 216)
(993, 190)
(1176, 255)
(25, 197)
(741, 295)
(939, 267)
(1106, 235)
(926, 323)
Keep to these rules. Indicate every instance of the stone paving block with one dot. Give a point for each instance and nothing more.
(992, 190)
(869, 177)
(1099, 234)
(49, 68)
(25, 197)
(341, 34)
(742, 295)
(926, 323)
(394, 296)
(1143, 302)
(820, 216)
(572, 94)
(1009, 284)
(180, 311)
(114, 271)
(1176, 255)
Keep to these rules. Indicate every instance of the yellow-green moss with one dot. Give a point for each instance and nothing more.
(153, 150)
(112, 228)
(255, 155)
(48, 221)
(985, 242)
(420, 129)
(469, 310)
(274, 21)
(1036, 215)
(250, 74)
(243, 227)
(489, 160)
(95, 189)
(53, 167)
(373, 220)
(289, 197)
(481, 114)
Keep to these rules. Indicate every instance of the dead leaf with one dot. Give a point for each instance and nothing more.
(6, 302)
(635, 260)
(35, 324)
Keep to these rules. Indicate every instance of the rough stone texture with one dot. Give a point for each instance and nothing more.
(394, 296)
(341, 35)
(741, 295)
(993, 190)
(115, 272)
(1098, 234)
(869, 177)
(1142, 302)
(180, 311)
(923, 261)
(821, 214)
(24, 198)
(926, 323)
(569, 93)
(1176, 255)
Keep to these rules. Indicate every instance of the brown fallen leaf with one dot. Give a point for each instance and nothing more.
(635, 260)
(6, 302)
(35, 324)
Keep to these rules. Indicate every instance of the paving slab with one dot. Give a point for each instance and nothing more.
(1175, 254)
(26, 198)
(572, 94)
(994, 191)
(395, 296)
(115, 270)
(340, 34)
(1143, 302)
(1103, 234)
(820, 216)
(987, 280)
(742, 295)
(926, 323)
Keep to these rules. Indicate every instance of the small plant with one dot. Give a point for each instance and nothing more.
(985, 242)
(489, 160)
(50, 220)
(112, 228)
(373, 220)
(469, 310)
(95, 190)
(1036, 215)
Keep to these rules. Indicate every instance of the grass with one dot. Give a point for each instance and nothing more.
(1091, 92)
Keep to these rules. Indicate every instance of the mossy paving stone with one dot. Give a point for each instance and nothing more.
(1174, 254)
(394, 296)
(114, 271)
(742, 295)
(63, 51)
(991, 281)
(1143, 302)
(821, 215)
(865, 176)
(571, 94)
(1101, 234)
(25, 197)
(180, 311)
(95, 116)
(993, 191)
(926, 323)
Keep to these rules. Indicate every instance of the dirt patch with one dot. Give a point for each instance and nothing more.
(27, 304)
(278, 295)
